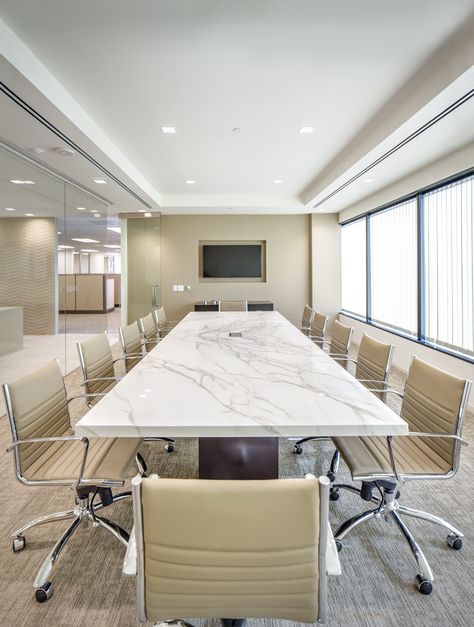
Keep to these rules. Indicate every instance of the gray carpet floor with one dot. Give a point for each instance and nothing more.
(375, 589)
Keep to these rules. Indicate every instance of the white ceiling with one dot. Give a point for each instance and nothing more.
(266, 67)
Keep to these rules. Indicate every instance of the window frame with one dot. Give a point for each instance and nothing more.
(417, 195)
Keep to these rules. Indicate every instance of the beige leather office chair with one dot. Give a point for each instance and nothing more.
(249, 549)
(340, 342)
(47, 453)
(232, 305)
(306, 320)
(131, 342)
(434, 403)
(372, 367)
(149, 332)
(97, 364)
(163, 325)
(318, 328)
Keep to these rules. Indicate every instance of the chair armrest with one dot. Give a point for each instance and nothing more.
(129, 567)
(388, 390)
(73, 398)
(453, 436)
(130, 355)
(61, 438)
(100, 379)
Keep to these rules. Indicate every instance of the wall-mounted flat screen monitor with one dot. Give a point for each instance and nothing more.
(233, 261)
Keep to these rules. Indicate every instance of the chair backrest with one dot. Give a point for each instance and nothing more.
(373, 363)
(160, 317)
(131, 342)
(37, 408)
(232, 305)
(435, 401)
(318, 325)
(149, 331)
(246, 545)
(306, 318)
(97, 362)
(340, 339)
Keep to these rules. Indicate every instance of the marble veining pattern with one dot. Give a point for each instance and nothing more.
(200, 381)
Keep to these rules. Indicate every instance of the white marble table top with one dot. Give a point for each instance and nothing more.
(271, 381)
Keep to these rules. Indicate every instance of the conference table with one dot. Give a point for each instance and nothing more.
(238, 381)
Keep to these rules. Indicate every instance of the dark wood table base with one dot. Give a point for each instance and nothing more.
(238, 458)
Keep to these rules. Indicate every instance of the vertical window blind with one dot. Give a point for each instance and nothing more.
(449, 276)
(354, 267)
(421, 256)
(393, 270)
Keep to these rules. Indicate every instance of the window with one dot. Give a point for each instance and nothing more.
(353, 267)
(393, 269)
(449, 254)
(420, 278)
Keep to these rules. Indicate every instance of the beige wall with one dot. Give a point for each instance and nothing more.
(28, 276)
(288, 260)
(326, 258)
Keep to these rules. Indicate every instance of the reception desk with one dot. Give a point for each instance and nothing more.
(11, 329)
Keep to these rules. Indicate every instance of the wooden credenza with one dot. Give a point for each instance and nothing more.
(252, 305)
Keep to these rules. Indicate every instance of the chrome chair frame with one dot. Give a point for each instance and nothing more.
(163, 329)
(85, 509)
(389, 486)
(146, 341)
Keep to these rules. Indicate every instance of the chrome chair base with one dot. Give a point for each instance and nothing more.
(389, 508)
(83, 514)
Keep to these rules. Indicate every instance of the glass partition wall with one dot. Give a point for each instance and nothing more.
(60, 268)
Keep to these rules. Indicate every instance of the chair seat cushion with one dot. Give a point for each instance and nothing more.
(108, 458)
(370, 456)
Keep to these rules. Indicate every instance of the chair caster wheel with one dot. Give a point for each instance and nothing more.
(44, 593)
(298, 449)
(18, 544)
(338, 546)
(454, 541)
(169, 448)
(424, 585)
(331, 476)
(334, 495)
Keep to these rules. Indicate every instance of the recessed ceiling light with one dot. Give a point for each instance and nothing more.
(115, 229)
(63, 246)
(190, 181)
(96, 215)
(147, 214)
(277, 181)
(36, 151)
(85, 240)
(9, 209)
(168, 130)
(81, 208)
(30, 215)
(306, 129)
(100, 181)
(89, 250)
(368, 180)
(20, 182)
(142, 211)
(64, 151)
(111, 246)
(59, 233)
(94, 210)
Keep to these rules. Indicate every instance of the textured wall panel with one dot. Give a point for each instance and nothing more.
(28, 271)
